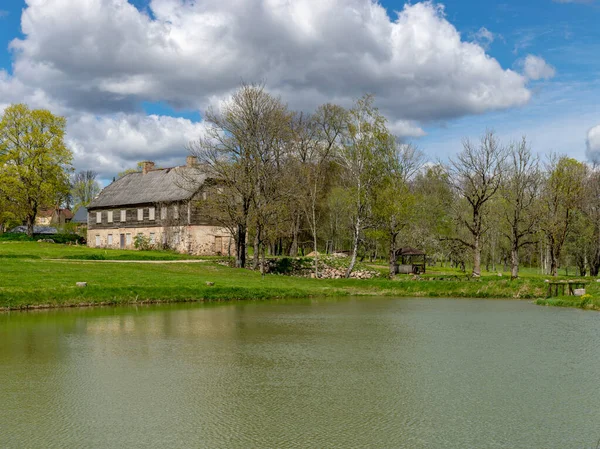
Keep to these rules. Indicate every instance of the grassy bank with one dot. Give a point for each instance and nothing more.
(589, 303)
(44, 275)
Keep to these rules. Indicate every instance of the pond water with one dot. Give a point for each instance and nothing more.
(386, 373)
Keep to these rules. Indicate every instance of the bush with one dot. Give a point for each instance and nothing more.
(142, 243)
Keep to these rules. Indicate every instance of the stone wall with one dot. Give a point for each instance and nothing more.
(197, 239)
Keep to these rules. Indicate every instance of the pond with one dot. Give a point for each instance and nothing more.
(369, 372)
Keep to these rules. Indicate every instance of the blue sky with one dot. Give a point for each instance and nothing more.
(124, 109)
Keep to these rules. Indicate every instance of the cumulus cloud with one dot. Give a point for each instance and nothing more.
(593, 144)
(114, 143)
(535, 68)
(102, 58)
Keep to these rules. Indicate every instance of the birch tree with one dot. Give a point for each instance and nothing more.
(367, 148)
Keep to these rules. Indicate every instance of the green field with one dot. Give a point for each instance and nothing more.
(44, 275)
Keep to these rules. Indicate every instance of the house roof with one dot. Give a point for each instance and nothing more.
(156, 186)
(46, 213)
(80, 216)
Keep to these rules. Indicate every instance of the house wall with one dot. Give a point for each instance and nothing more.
(195, 239)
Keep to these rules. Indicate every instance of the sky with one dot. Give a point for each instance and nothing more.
(134, 78)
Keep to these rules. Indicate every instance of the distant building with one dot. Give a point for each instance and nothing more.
(160, 205)
(53, 216)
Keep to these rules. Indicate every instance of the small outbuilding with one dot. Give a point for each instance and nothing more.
(410, 261)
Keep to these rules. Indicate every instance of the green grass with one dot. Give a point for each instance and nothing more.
(34, 250)
(44, 275)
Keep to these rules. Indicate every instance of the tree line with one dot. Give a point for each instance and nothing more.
(337, 179)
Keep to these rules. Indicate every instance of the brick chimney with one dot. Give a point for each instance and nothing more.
(191, 161)
(148, 165)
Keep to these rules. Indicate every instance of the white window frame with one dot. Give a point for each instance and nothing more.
(109, 216)
(98, 217)
(128, 239)
(123, 216)
(163, 212)
(176, 211)
(151, 213)
(140, 214)
(109, 239)
(152, 238)
(98, 242)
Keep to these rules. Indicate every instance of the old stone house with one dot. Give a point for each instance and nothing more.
(160, 205)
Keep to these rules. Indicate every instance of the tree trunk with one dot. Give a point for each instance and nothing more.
(553, 262)
(354, 248)
(315, 246)
(392, 259)
(30, 224)
(476, 256)
(514, 261)
(295, 231)
(240, 247)
(256, 255)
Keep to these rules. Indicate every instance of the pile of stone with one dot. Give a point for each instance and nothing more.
(335, 273)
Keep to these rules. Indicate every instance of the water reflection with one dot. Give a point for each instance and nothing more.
(343, 373)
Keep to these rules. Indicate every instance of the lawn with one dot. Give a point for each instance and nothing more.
(43, 274)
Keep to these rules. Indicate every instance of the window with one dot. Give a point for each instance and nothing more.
(128, 239)
(97, 240)
(151, 213)
(176, 211)
(109, 216)
(140, 214)
(176, 238)
(98, 217)
(204, 196)
(152, 238)
(123, 215)
(163, 212)
(109, 240)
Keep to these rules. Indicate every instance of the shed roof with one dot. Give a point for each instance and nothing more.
(408, 251)
(157, 186)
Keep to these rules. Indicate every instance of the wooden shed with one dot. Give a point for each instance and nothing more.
(410, 261)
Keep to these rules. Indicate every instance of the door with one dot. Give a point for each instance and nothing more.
(122, 241)
(218, 245)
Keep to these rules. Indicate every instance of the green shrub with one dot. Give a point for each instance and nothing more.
(142, 243)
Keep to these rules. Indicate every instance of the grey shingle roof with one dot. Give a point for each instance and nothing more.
(80, 216)
(157, 186)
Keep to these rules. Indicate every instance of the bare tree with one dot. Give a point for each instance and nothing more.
(240, 148)
(84, 187)
(520, 193)
(316, 140)
(476, 173)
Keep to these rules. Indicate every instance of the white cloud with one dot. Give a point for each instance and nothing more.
(535, 68)
(593, 144)
(111, 144)
(483, 37)
(98, 58)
